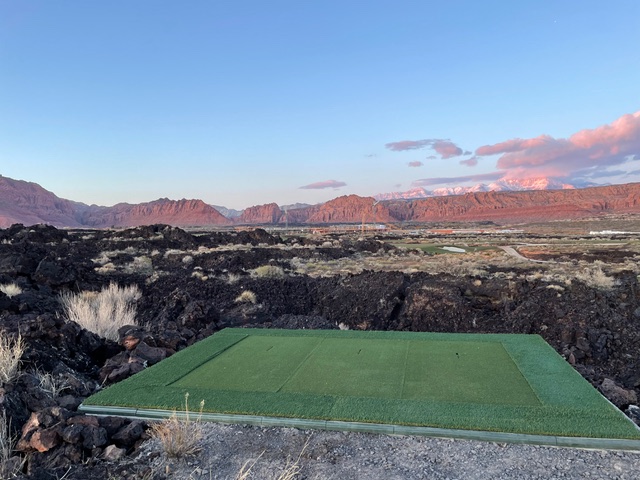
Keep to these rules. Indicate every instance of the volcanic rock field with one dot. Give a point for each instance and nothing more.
(193, 284)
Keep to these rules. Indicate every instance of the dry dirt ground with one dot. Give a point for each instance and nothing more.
(351, 456)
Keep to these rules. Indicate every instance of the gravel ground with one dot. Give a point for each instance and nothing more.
(345, 456)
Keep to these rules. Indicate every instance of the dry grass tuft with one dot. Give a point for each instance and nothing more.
(180, 436)
(291, 470)
(9, 467)
(268, 271)
(50, 383)
(103, 312)
(246, 296)
(10, 289)
(595, 277)
(245, 471)
(10, 353)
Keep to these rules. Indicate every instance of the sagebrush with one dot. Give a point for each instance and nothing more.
(10, 353)
(180, 437)
(102, 312)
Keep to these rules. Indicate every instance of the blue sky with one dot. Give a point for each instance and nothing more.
(244, 102)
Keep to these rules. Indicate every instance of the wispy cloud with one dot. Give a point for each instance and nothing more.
(415, 164)
(445, 148)
(408, 145)
(470, 162)
(482, 177)
(325, 184)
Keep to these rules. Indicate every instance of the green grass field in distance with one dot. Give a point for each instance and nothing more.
(500, 383)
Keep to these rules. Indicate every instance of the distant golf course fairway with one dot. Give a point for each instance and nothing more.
(515, 384)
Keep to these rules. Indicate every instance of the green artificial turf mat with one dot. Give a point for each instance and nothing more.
(264, 363)
(492, 383)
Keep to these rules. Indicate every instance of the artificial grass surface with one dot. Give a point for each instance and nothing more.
(504, 383)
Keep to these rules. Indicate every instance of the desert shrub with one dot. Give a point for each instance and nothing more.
(247, 296)
(232, 278)
(268, 271)
(595, 277)
(10, 289)
(179, 437)
(200, 275)
(102, 312)
(10, 353)
(50, 383)
(140, 265)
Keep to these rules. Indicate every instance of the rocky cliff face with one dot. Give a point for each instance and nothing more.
(520, 206)
(29, 203)
(261, 214)
(350, 209)
(180, 213)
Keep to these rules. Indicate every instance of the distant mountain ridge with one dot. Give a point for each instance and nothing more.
(28, 203)
(507, 185)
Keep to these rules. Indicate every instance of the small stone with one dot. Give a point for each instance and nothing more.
(44, 440)
(113, 453)
(94, 437)
(72, 434)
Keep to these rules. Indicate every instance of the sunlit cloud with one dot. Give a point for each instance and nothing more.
(470, 162)
(598, 148)
(445, 148)
(586, 155)
(322, 185)
(415, 164)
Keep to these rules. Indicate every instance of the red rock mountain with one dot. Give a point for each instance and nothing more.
(29, 203)
(179, 213)
(261, 214)
(349, 209)
(521, 206)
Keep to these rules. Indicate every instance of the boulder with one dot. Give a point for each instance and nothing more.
(151, 355)
(129, 434)
(617, 395)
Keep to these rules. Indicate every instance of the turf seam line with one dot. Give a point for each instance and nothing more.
(207, 360)
(533, 389)
(297, 369)
(404, 370)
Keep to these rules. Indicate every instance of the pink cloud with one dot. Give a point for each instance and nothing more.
(415, 164)
(325, 184)
(470, 162)
(598, 149)
(445, 148)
